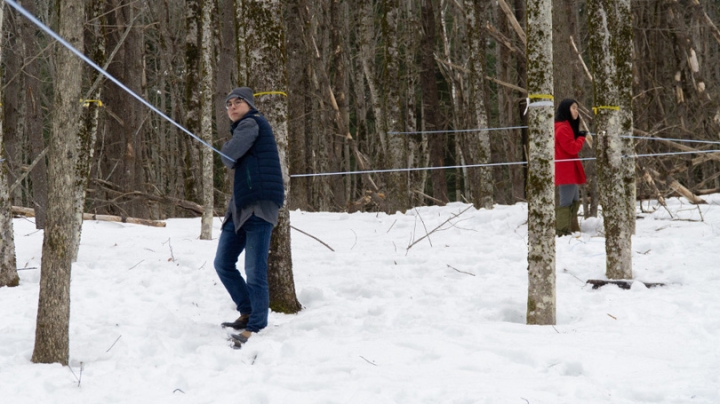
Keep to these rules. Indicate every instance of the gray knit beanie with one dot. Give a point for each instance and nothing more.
(244, 93)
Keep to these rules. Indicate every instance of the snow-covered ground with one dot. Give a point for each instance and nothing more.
(442, 322)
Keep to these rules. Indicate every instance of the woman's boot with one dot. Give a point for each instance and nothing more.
(562, 220)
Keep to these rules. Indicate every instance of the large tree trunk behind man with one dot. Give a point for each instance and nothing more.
(8, 268)
(541, 308)
(52, 342)
(266, 59)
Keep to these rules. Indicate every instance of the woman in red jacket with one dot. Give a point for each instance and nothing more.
(569, 175)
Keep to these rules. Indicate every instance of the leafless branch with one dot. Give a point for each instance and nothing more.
(313, 237)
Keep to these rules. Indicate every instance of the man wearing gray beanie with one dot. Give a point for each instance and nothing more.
(258, 194)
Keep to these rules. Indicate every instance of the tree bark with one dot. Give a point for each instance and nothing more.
(541, 306)
(338, 70)
(624, 58)
(192, 101)
(479, 142)
(603, 17)
(395, 157)
(52, 343)
(8, 266)
(300, 190)
(13, 103)
(226, 80)
(207, 104)
(430, 104)
(88, 125)
(34, 113)
(267, 71)
(124, 128)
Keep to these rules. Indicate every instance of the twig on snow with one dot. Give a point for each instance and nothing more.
(439, 226)
(172, 256)
(354, 242)
(141, 261)
(81, 370)
(424, 227)
(462, 272)
(113, 344)
(313, 237)
(368, 361)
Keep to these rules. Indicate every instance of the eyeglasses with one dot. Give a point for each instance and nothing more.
(234, 103)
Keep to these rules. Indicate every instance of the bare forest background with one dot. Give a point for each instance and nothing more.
(361, 75)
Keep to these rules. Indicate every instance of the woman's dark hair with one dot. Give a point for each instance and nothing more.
(563, 114)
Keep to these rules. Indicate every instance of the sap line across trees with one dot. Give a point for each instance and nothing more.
(352, 75)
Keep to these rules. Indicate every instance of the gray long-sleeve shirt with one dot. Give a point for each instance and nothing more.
(243, 138)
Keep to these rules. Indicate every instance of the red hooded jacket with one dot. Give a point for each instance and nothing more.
(568, 147)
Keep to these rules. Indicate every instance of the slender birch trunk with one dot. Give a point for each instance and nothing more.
(541, 308)
(8, 266)
(266, 58)
(207, 106)
(52, 342)
(603, 17)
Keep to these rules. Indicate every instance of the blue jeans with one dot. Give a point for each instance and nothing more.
(251, 297)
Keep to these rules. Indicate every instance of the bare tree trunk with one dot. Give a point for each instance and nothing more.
(366, 39)
(417, 145)
(512, 139)
(397, 182)
(541, 308)
(603, 17)
(478, 143)
(338, 71)
(299, 197)
(226, 80)
(265, 33)
(207, 104)
(52, 342)
(88, 125)
(564, 60)
(8, 266)
(12, 105)
(34, 115)
(624, 59)
(192, 102)
(522, 79)
(124, 128)
(431, 105)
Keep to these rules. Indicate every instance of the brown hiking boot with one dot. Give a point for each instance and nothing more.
(238, 324)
